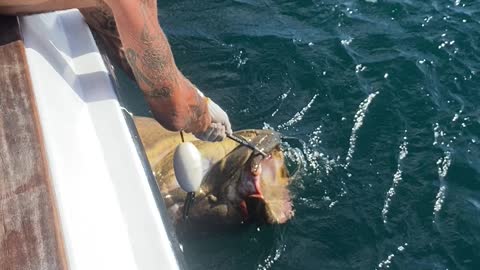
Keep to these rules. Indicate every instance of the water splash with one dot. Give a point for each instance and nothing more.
(385, 264)
(457, 115)
(397, 178)
(360, 68)
(285, 95)
(346, 42)
(316, 159)
(426, 20)
(267, 126)
(310, 203)
(315, 139)
(439, 200)
(282, 98)
(438, 135)
(319, 165)
(443, 165)
(358, 122)
(271, 258)
(240, 59)
(296, 160)
(299, 115)
(332, 204)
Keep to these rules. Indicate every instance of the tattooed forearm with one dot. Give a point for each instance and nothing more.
(152, 64)
(141, 78)
(162, 92)
(153, 59)
(197, 112)
(101, 19)
(102, 24)
(172, 98)
(146, 37)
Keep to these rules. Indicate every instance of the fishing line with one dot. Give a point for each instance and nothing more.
(181, 135)
(190, 198)
(244, 142)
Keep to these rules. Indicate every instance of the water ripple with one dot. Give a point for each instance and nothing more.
(299, 115)
(271, 258)
(443, 165)
(385, 264)
(397, 178)
(358, 122)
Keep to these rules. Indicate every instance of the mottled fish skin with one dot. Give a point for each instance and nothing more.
(227, 165)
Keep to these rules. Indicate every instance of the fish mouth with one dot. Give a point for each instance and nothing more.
(264, 192)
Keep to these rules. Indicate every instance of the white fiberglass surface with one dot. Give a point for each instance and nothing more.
(107, 210)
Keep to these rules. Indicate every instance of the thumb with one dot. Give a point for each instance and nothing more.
(228, 126)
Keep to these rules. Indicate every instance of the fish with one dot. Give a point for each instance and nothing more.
(239, 185)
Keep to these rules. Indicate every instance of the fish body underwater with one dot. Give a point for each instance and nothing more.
(239, 185)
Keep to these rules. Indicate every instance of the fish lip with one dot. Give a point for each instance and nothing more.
(251, 184)
(256, 172)
(256, 179)
(254, 206)
(251, 190)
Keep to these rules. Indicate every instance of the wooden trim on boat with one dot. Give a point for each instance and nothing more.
(30, 233)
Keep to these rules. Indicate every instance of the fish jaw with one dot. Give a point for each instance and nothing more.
(263, 190)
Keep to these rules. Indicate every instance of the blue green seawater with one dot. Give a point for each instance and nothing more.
(382, 98)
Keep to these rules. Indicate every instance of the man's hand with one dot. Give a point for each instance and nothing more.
(174, 101)
(219, 127)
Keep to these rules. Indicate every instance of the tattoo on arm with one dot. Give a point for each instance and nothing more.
(197, 113)
(141, 76)
(151, 66)
(132, 59)
(174, 103)
(102, 17)
(102, 24)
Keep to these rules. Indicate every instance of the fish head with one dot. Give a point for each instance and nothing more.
(263, 188)
(251, 187)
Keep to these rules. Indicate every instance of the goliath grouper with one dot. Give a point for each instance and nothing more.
(239, 185)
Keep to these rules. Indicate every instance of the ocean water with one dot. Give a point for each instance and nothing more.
(381, 98)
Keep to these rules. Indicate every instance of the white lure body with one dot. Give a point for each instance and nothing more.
(187, 164)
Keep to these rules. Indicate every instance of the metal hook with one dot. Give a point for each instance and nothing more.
(244, 142)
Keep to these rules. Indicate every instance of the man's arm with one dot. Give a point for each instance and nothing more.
(102, 24)
(174, 101)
